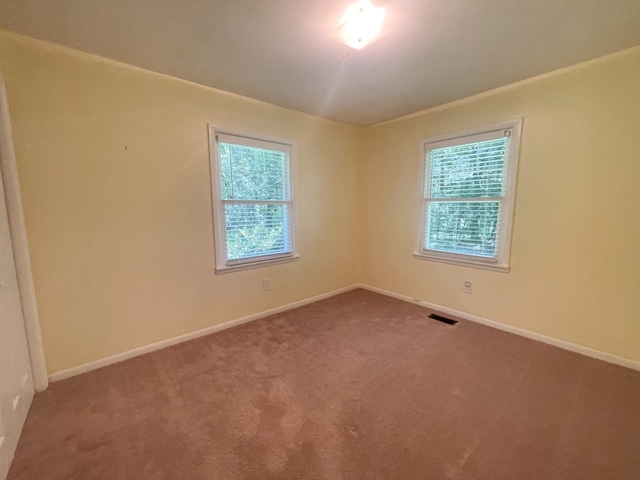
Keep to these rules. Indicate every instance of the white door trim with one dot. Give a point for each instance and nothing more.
(20, 246)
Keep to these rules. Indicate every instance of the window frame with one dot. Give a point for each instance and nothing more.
(501, 261)
(223, 264)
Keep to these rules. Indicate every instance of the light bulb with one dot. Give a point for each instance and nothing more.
(362, 24)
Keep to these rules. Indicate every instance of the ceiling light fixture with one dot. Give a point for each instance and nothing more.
(362, 23)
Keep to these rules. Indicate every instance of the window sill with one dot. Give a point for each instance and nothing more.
(463, 262)
(258, 264)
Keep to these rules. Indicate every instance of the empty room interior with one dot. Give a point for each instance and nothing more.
(330, 239)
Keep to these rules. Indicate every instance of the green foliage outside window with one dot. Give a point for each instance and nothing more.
(464, 185)
(255, 191)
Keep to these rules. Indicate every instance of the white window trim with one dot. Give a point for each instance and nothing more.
(223, 264)
(501, 263)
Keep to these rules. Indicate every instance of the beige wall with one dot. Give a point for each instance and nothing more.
(574, 257)
(114, 169)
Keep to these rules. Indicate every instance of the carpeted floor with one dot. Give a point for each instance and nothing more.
(359, 386)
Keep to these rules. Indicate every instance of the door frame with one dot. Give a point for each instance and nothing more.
(18, 234)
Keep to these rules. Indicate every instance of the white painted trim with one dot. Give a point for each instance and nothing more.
(223, 265)
(507, 200)
(461, 261)
(20, 245)
(260, 264)
(511, 86)
(136, 352)
(59, 49)
(572, 347)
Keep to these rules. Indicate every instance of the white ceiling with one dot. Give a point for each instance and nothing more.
(282, 52)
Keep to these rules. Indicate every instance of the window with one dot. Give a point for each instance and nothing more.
(252, 201)
(467, 196)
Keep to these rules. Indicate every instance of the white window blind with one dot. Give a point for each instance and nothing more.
(468, 196)
(254, 200)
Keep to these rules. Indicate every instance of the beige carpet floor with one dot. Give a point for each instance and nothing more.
(358, 386)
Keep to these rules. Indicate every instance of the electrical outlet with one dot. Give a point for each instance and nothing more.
(467, 286)
(266, 284)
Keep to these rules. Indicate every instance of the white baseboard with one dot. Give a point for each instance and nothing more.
(103, 362)
(589, 352)
(136, 352)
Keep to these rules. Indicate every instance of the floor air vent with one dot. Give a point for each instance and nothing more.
(442, 319)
